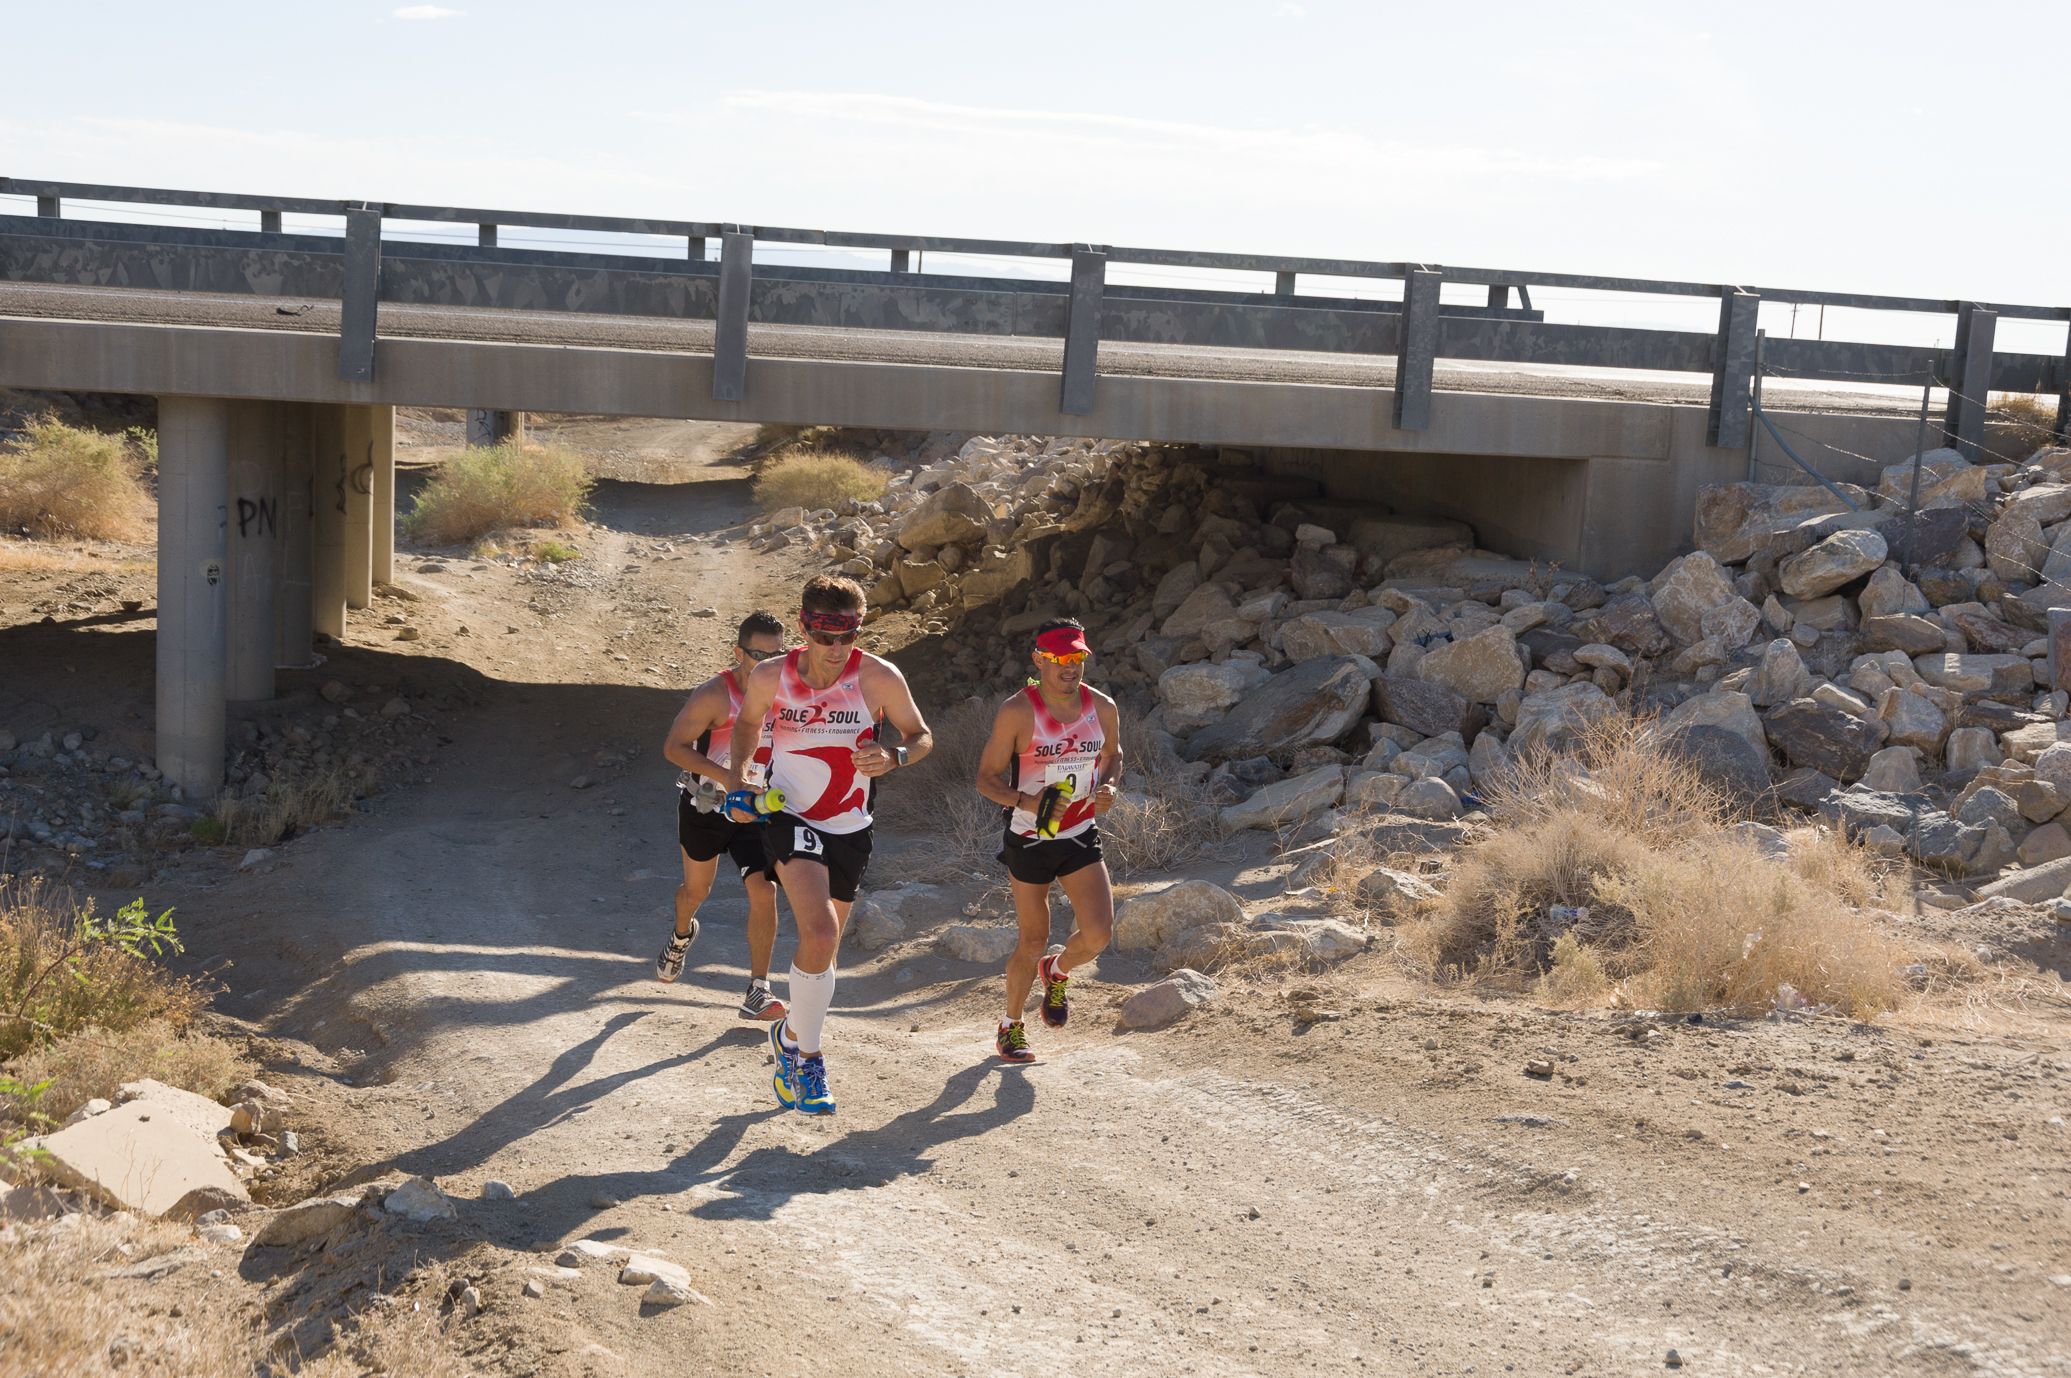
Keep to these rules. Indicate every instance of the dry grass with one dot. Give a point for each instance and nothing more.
(60, 1314)
(2034, 420)
(814, 479)
(1162, 827)
(84, 1066)
(290, 805)
(62, 481)
(480, 491)
(39, 556)
(65, 969)
(1684, 912)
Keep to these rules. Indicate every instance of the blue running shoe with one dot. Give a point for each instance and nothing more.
(812, 1087)
(786, 1079)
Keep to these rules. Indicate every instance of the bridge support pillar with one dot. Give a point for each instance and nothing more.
(294, 605)
(330, 480)
(360, 463)
(486, 427)
(193, 520)
(253, 545)
(383, 513)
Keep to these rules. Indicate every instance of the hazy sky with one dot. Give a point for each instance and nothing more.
(1899, 148)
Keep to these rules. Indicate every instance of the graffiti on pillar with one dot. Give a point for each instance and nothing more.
(340, 485)
(363, 477)
(212, 571)
(258, 516)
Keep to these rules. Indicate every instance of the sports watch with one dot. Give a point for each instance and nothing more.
(899, 755)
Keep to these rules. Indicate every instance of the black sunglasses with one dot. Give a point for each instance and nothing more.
(834, 638)
(759, 656)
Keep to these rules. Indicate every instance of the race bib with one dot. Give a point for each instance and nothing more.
(1077, 776)
(808, 843)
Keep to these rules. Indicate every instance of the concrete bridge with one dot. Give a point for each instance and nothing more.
(279, 357)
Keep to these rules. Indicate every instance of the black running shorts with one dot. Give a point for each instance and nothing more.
(787, 837)
(1038, 861)
(705, 835)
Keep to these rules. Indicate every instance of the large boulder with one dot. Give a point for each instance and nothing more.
(1429, 710)
(1985, 632)
(1736, 521)
(1841, 558)
(1913, 720)
(1181, 580)
(1555, 720)
(1315, 703)
(1479, 669)
(1947, 479)
(1723, 759)
(1734, 712)
(137, 1157)
(2015, 548)
(1908, 632)
(1685, 591)
(1889, 593)
(999, 572)
(1315, 575)
(1151, 920)
(1976, 674)
(1289, 801)
(954, 514)
(1360, 633)
(1204, 687)
(1382, 539)
(1810, 733)
(1206, 604)
(1781, 677)
(1627, 622)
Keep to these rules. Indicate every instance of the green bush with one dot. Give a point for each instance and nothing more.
(479, 491)
(64, 969)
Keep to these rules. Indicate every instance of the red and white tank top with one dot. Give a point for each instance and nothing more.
(813, 737)
(1060, 751)
(717, 742)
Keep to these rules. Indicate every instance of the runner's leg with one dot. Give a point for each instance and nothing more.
(697, 885)
(1032, 908)
(762, 923)
(820, 918)
(1093, 904)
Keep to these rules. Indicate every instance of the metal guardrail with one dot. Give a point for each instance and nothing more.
(366, 269)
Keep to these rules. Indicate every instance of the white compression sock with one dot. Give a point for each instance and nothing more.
(811, 995)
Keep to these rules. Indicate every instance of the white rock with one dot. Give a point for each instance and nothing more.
(1373, 789)
(418, 1199)
(1478, 669)
(1971, 747)
(1288, 800)
(985, 946)
(1166, 1001)
(1893, 770)
(669, 1291)
(1596, 655)
(641, 1269)
(1206, 687)
(1152, 920)
(2053, 766)
(497, 1190)
(1428, 798)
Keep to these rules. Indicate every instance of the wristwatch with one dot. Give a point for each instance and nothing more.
(899, 755)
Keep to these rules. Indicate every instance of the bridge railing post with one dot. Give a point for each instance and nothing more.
(1416, 356)
(1082, 329)
(362, 293)
(1733, 366)
(730, 329)
(1970, 379)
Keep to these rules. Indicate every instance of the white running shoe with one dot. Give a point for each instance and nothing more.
(669, 965)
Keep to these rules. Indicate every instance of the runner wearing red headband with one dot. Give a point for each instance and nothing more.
(1056, 748)
(823, 704)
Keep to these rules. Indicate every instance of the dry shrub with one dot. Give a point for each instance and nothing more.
(290, 805)
(2033, 419)
(1684, 912)
(60, 1314)
(814, 479)
(60, 480)
(82, 1067)
(1164, 825)
(65, 969)
(479, 491)
(38, 556)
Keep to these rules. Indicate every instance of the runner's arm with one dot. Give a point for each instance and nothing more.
(1108, 768)
(700, 711)
(1001, 748)
(756, 697)
(886, 691)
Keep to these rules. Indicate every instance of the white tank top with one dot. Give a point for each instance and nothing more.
(1060, 751)
(813, 737)
(717, 742)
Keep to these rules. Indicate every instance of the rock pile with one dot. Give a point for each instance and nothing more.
(1315, 655)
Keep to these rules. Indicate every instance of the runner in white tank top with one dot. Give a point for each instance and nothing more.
(824, 704)
(701, 742)
(1056, 734)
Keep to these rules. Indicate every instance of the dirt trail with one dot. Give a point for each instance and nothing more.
(1381, 1190)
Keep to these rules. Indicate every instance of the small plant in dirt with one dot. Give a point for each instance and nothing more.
(64, 968)
(554, 552)
(208, 829)
(59, 480)
(290, 805)
(814, 479)
(480, 491)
